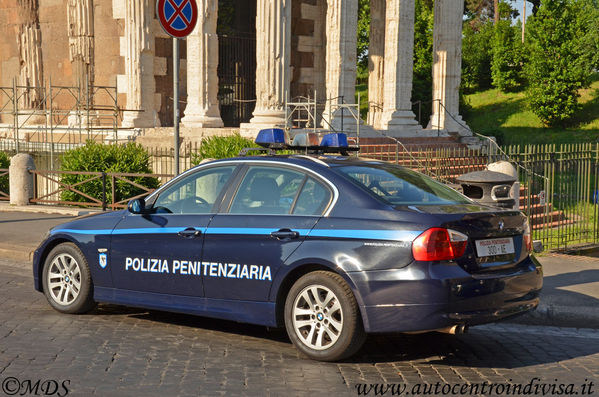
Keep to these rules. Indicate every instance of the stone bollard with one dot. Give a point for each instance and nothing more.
(21, 181)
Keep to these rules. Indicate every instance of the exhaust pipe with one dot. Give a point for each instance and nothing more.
(454, 329)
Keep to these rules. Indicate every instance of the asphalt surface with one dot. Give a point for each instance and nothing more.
(119, 351)
(570, 296)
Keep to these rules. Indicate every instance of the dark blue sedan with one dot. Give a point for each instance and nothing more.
(330, 247)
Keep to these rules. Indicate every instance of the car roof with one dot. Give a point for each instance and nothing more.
(328, 161)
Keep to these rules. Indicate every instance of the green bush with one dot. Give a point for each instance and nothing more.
(4, 163)
(557, 67)
(221, 147)
(129, 158)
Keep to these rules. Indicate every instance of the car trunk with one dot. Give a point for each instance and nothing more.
(495, 240)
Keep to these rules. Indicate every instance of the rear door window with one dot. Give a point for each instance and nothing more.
(400, 186)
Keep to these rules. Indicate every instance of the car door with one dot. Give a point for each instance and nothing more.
(161, 251)
(270, 215)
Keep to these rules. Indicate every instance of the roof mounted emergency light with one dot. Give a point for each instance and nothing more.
(306, 139)
(334, 140)
(275, 138)
(272, 138)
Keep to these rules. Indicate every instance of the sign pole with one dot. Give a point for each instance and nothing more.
(176, 100)
(178, 18)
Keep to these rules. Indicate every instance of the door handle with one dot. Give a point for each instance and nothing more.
(190, 232)
(285, 234)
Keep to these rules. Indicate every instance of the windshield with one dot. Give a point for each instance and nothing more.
(400, 186)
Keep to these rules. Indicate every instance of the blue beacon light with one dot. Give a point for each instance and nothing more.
(271, 138)
(334, 140)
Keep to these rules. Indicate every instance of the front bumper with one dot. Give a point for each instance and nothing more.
(428, 296)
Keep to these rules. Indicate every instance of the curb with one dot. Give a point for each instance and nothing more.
(46, 209)
(25, 254)
(560, 316)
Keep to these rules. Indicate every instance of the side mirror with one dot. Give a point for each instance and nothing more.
(137, 206)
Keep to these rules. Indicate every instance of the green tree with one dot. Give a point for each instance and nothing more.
(477, 53)
(363, 38)
(422, 85)
(507, 59)
(478, 11)
(589, 14)
(557, 67)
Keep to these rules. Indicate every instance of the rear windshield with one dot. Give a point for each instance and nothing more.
(400, 186)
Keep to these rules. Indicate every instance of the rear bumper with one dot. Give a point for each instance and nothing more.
(427, 296)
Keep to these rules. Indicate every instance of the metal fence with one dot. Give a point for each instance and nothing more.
(559, 183)
(80, 195)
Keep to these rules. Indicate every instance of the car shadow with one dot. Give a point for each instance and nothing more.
(484, 347)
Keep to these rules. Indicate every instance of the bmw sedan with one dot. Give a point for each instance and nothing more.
(330, 247)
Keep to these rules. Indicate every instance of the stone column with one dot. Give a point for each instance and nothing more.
(29, 41)
(80, 19)
(447, 67)
(139, 64)
(376, 62)
(202, 63)
(341, 28)
(399, 54)
(273, 52)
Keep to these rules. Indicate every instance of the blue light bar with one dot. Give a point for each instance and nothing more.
(271, 138)
(334, 140)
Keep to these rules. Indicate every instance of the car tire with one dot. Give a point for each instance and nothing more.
(67, 280)
(322, 317)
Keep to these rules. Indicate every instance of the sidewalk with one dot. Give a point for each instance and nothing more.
(23, 228)
(570, 296)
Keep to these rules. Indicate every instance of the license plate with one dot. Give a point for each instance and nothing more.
(495, 246)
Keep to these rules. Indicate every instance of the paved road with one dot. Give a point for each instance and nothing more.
(117, 351)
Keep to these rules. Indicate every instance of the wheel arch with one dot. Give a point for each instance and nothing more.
(44, 254)
(295, 274)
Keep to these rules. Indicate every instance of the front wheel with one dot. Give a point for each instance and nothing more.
(322, 317)
(67, 280)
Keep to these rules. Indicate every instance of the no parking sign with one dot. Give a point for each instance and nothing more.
(177, 17)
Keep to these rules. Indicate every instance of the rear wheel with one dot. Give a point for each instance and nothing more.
(67, 280)
(322, 317)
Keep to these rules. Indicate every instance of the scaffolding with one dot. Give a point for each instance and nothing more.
(74, 114)
(305, 113)
(65, 115)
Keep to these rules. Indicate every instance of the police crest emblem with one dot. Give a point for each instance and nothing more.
(103, 259)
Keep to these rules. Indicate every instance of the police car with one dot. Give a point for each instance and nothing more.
(330, 247)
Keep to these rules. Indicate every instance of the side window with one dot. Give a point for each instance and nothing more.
(313, 199)
(196, 193)
(267, 190)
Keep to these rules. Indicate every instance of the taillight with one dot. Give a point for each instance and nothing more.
(526, 237)
(438, 244)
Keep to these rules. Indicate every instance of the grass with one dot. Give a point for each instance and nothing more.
(506, 116)
(363, 90)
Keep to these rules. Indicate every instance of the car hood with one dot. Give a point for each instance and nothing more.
(91, 221)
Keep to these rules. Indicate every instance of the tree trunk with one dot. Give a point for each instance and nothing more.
(496, 9)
